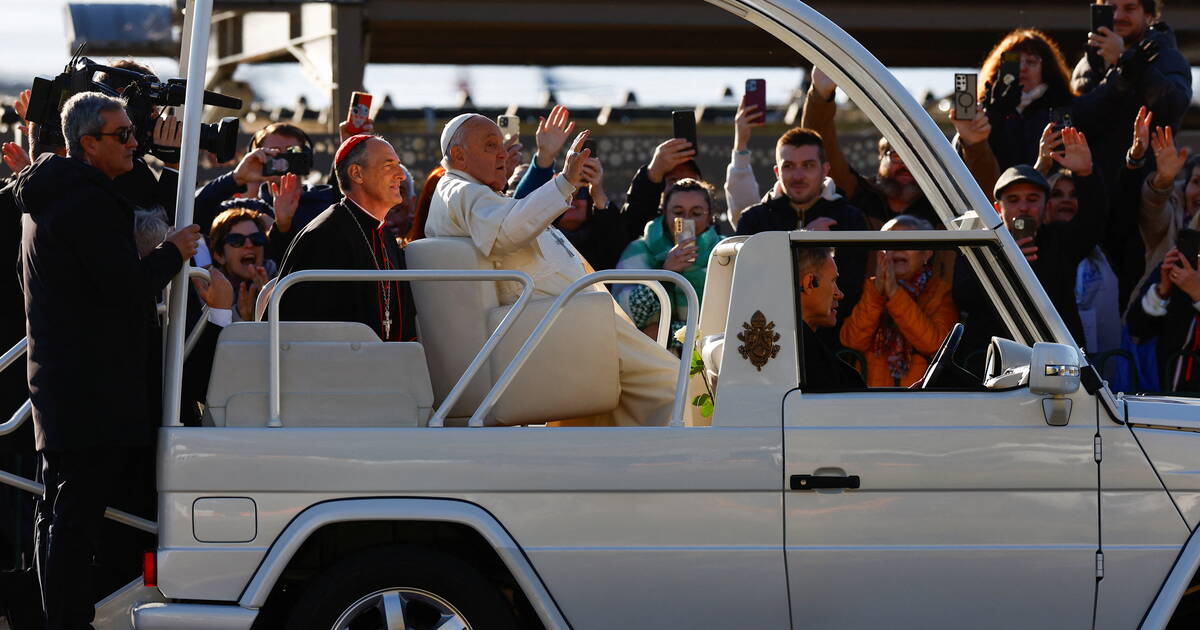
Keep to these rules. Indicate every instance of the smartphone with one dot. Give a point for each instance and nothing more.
(1022, 228)
(590, 143)
(1010, 68)
(1061, 117)
(1102, 15)
(360, 112)
(202, 258)
(685, 126)
(291, 160)
(965, 105)
(1188, 243)
(756, 94)
(685, 229)
(510, 126)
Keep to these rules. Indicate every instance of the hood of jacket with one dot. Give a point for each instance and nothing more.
(43, 183)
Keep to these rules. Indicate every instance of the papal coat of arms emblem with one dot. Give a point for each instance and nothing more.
(758, 340)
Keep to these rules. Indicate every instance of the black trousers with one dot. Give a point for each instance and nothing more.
(81, 557)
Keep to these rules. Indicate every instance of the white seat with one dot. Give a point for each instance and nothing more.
(574, 371)
(331, 374)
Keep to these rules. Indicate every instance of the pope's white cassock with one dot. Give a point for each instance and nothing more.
(517, 234)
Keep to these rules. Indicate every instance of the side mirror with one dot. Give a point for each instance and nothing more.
(1054, 369)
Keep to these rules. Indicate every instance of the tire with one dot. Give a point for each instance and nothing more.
(426, 588)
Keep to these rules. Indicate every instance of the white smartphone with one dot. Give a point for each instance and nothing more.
(202, 258)
(685, 229)
(510, 126)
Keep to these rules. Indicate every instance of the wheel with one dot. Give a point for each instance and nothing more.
(401, 588)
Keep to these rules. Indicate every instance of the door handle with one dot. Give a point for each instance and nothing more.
(814, 482)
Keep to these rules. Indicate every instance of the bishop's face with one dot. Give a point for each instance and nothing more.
(381, 181)
(483, 153)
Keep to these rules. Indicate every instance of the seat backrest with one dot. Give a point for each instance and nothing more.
(331, 374)
(573, 372)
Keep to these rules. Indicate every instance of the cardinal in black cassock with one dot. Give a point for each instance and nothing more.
(351, 235)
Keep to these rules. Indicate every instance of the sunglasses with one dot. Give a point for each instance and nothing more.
(258, 239)
(123, 134)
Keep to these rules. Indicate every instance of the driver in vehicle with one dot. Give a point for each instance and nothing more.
(817, 273)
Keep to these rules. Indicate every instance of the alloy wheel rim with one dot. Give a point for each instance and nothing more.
(401, 608)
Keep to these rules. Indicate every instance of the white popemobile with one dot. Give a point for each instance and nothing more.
(342, 482)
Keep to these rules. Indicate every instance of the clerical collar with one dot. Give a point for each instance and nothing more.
(371, 220)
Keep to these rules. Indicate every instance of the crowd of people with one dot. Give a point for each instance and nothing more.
(1072, 188)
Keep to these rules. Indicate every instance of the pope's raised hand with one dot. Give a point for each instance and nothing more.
(576, 157)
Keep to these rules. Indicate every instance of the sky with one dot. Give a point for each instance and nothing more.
(36, 29)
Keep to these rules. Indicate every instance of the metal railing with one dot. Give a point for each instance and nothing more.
(328, 275)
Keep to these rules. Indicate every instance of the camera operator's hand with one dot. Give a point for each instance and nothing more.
(21, 106)
(344, 132)
(250, 169)
(1108, 45)
(667, 156)
(1076, 156)
(975, 131)
(167, 138)
(15, 157)
(248, 293)
(593, 177)
(218, 294)
(552, 133)
(748, 117)
(572, 169)
(286, 196)
(822, 84)
(514, 147)
(185, 240)
(1141, 133)
(1169, 160)
(1050, 142)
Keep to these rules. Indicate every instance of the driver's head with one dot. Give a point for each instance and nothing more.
(817, 274)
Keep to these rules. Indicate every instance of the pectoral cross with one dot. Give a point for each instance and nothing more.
(387, 325)
(558, 239)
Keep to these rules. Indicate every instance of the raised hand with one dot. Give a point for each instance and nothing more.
(748, 117)
(15, 157)
(1185, 276)
(1076, 155)
(1170, 160)
(185, 239)
(286, 195)
(1141, 133)
(1108, 45)
(344, 131)
(593, 176)
(250, 169)
(572, 169)
(514, 147)
(972, 131)
(667, 156)
(552, 134)
(218, 293)
(1050, 141)
(822, 84)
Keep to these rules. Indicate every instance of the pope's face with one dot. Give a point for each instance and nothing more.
(483, 153)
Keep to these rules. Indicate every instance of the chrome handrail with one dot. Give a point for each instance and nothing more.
(555, 309)
(405, 275)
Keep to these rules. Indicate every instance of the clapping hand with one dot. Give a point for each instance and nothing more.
(552, 134)
(248, 293)
(885, 275)
(1141, 133)
(286, 196)
(218, 293)
(1108, 45)
(1170, 161)
(1076, 156)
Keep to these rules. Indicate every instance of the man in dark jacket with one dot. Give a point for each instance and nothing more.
(810, 202)
(89, 302)
(1055, 249)
(1167, 310)
(1136, 63)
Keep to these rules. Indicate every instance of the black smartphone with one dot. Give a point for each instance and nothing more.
(965, 87)
(1188, 243)
(1102, 15)
(1022, 228)
(291, 160)
(590, 143)
(1010, 69)
(756, 94)
(685, 126)
(1061, 117)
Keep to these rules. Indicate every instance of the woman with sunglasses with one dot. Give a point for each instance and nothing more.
(238, 240)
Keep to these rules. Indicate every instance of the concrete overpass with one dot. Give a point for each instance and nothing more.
(334, 39)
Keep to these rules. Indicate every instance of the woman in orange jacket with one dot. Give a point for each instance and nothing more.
(905, 312)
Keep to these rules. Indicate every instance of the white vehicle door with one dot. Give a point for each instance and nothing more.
(939, 509)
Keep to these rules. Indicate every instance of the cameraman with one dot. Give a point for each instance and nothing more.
(90, 307)
(247, 179)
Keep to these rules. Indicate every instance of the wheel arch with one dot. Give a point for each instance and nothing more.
(308, 525)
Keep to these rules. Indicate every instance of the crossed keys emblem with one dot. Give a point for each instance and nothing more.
(758, 339)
